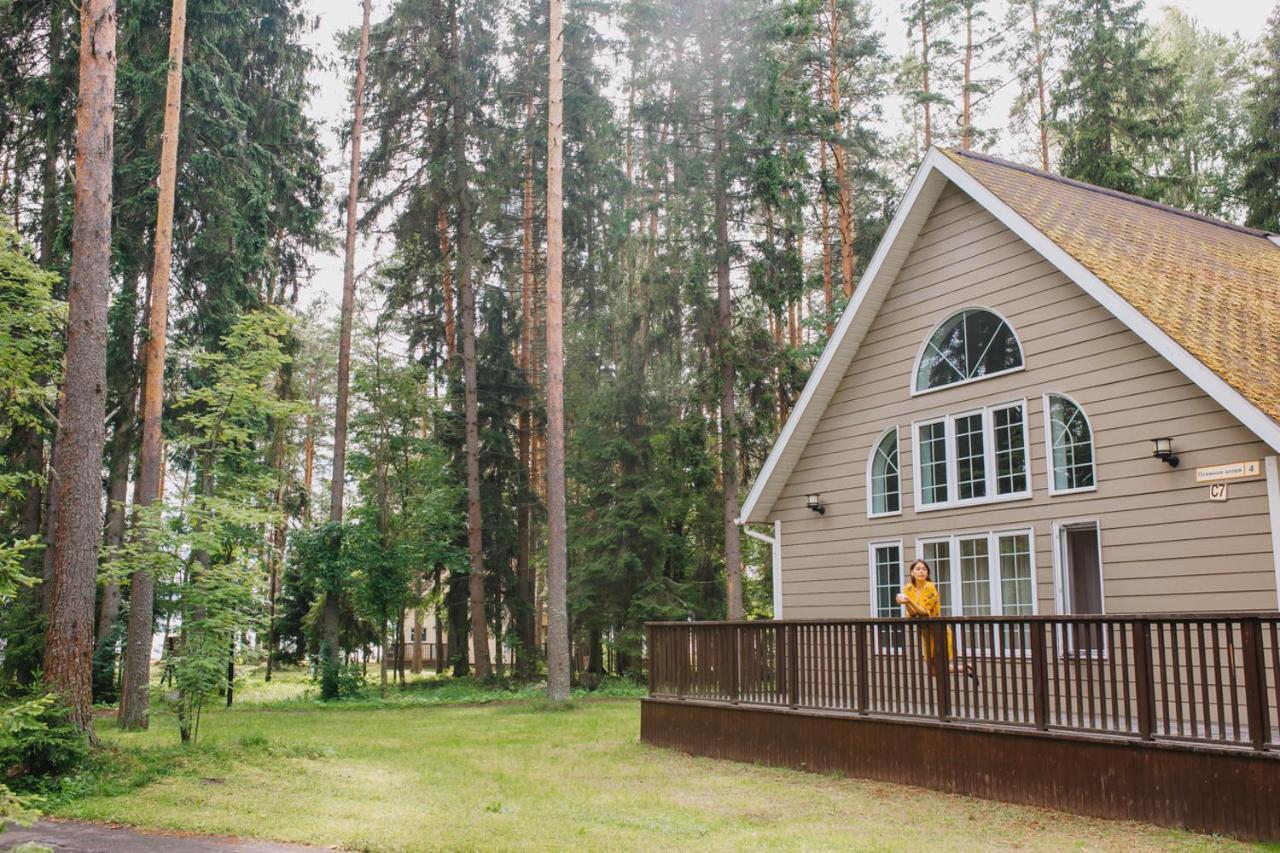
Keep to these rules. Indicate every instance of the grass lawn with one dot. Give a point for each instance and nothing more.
(416, 773)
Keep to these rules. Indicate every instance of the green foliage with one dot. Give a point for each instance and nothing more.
(1112, 99)
(38, 740)
(1259, 154)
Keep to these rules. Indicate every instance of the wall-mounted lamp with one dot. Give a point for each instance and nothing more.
(1163, 450)
(812, 502)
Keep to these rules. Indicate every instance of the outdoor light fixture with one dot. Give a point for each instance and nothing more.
(1164, 451)
(812, 502)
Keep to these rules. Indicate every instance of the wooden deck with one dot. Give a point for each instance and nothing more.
(1170, 719)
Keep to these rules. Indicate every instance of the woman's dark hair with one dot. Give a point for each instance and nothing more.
(912, 567)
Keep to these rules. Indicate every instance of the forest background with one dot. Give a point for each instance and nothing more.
(731, 167)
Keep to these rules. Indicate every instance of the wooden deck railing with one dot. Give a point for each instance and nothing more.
(1206, 679)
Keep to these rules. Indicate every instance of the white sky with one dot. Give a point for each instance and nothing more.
(331, 104)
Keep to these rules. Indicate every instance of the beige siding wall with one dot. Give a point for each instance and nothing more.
(1165, 547)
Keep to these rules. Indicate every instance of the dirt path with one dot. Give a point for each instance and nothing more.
(86, 837)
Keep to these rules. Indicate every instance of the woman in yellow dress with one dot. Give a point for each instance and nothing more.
(921, 599)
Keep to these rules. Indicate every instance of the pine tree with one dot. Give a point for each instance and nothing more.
(1260, 156)
(78, 448)
(135, 692)
(1108, 102)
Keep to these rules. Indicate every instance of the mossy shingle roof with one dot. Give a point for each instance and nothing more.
(1212, 286)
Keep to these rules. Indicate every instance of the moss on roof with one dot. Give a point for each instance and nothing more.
(1212, 286)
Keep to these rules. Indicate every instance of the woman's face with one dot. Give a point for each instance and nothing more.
(919, 572)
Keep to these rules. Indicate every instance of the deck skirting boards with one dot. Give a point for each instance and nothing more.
(1205, 789)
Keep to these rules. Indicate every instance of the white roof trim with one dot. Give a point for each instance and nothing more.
(844, 342)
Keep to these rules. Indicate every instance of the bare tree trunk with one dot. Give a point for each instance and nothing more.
(475, 537)
(68, 655)
(844, 193)
(557, 526)
(828, 290)
(330, 613)
(924, 65)
(1044, 114)
(724, 348)
(135, 695)
(966, 111)
(526, 652)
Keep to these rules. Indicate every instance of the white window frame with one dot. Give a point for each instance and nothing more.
(952, 566)
(1060, 595)
(1048, 445)
(924, 346)
(993, 564)
(916, 482)
(871, 464)
(988, 454)
(872, 576)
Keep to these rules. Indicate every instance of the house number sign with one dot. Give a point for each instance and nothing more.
(1217, 491)
(1229, 471)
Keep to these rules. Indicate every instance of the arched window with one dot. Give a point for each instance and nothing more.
(973, 344)
(1070, 446)
(885, 494)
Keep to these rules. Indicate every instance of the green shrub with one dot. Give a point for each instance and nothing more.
(38, 740)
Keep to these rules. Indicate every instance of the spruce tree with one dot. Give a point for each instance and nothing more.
(1260, 186)
(1108, 102)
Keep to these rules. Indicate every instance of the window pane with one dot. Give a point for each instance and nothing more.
(888, 574)
(975, 577)
(991, 344)
(931, 444)
(944, 362)
(971, 476)
(969, 345)
(884, 475)
(938, 556)
(1015, 574)
(1011, 451)
(1072, 445)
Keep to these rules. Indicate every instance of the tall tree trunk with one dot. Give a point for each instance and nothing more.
(122, 435)
(330, 614)
(724, 354)
(966, 105)
(475, 538)
(68, 655)
(526, 650)
(135, 694)
(1040, 89)
(924, 66)
(557, 526)
(446, 289)
(828, 289)
(844, 193)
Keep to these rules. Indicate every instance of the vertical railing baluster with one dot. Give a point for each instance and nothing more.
(1232, 684)
(1144, 678)
(793, 666)
(1217, 678)
(1056, 637)
(1255, 683)
(941, 668)
(1205, 707)
(733, 634)
(861, 672)
(1191, 679)
(1039, 677)
(1124, 672)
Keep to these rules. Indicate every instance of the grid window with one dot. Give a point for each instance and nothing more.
(931, 445)
(1011, 450)
(1071, 443)
(885, 497)
(975, 577)
(971, 471)
(938, 555)
(1015, 574)
(888, 575)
